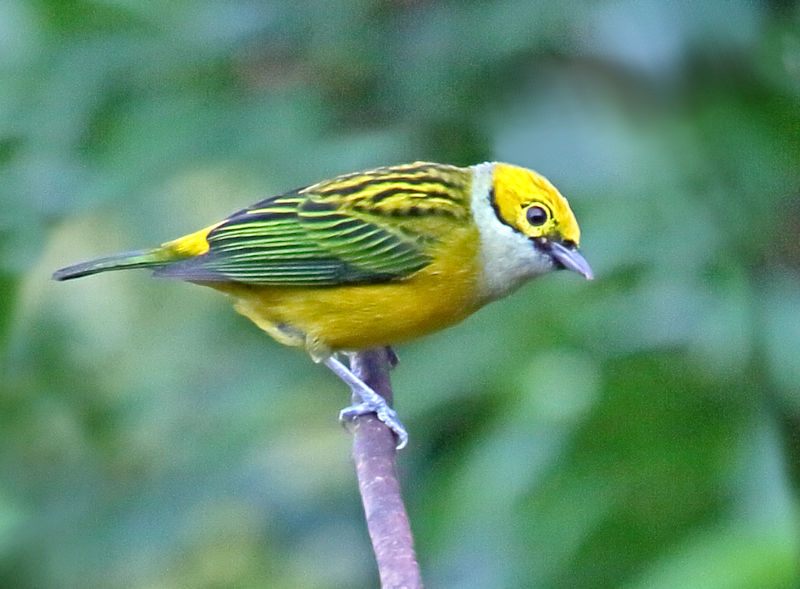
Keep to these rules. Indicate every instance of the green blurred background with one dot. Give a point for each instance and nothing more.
(639, 431)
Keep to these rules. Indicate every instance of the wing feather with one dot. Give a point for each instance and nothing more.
(351, 229)
(301, 249)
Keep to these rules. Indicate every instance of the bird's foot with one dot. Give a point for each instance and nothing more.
(382, 410)
(371, 402)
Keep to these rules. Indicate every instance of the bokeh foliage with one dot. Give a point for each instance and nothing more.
(640, 431)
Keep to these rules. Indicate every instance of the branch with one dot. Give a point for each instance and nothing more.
(375, 459)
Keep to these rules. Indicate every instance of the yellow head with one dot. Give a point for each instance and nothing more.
(527, 227)
(528, 203)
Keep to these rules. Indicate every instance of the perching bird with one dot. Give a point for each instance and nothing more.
(374, 258)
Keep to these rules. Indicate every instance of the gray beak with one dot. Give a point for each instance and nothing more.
(570, 259)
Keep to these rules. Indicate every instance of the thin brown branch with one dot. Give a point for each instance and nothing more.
(375, 458)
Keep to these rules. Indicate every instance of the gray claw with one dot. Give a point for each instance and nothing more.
(383, 412)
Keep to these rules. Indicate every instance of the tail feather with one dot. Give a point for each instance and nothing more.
(150, 258)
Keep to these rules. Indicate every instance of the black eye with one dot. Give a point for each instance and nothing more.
(536, 216)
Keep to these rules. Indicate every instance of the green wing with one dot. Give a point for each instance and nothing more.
(298, 239)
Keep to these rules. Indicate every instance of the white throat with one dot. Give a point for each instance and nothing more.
(508, 258)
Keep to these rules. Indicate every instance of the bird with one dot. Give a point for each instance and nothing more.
(373, 258)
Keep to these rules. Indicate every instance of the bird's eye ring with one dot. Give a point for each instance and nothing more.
(536, 215)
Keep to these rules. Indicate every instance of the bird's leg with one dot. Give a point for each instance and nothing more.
(371, 402)
(391, 357)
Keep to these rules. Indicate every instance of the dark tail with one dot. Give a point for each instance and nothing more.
(137, 259)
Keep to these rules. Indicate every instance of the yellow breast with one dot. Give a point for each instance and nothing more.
(356, 317)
